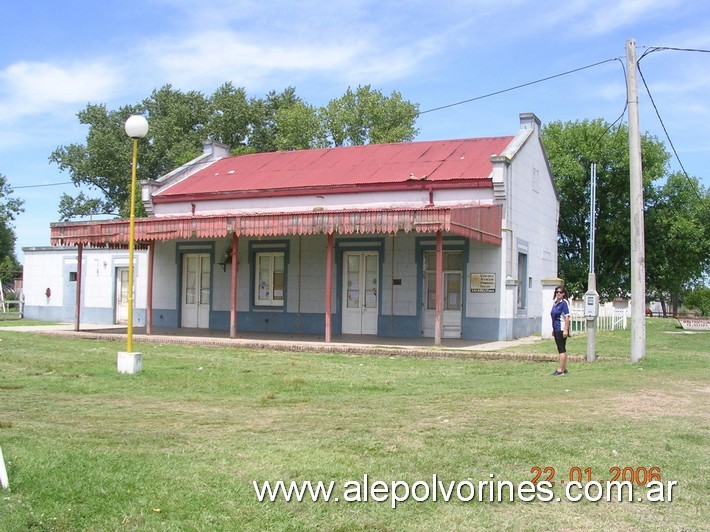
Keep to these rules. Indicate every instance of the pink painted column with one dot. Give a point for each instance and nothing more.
(233, 294)
(439, 268)
(149, 298)
(329, 287)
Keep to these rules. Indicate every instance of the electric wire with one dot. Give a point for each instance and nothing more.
(665, 130)
(626, 104)
(447, 106)
(509, 89)
(44, 185)
(651, 50)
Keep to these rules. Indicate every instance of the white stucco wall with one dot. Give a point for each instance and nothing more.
(360, 200)
(399, 263)
(50, 267)
(483, 259)
(165, 276)
(533, 223)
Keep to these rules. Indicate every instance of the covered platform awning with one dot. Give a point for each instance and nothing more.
(477, 222)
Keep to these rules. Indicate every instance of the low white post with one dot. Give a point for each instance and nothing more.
(4, 482)
(129, 363)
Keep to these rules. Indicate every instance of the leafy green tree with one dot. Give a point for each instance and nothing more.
(367, 116)
(230, 118)
(699, 299)
(299, 127)
(178, 127)
(264, 114)
(571, 148)
(103, 164)
(678, 238)
(10, 207)
(181, 122)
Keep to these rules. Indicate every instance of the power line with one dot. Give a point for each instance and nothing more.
(626, 105)
(502, 91)
(652, 49)
(45, 185)
(517, 86)
(655, 107)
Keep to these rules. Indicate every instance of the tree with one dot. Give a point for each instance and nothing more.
(178, 127)
(230, 119)
(678, 241)
(571, 148)
(9, 209)
(181, 122)
(700, 300)
(299, 127)
(367, 116)
(102, 164)
(264, 114)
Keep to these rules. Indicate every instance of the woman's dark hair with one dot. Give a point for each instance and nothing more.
(557, 289)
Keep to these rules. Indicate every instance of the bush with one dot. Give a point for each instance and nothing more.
(699, 300)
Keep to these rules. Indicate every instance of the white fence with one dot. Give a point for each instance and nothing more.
(609, 319)
(11, 308)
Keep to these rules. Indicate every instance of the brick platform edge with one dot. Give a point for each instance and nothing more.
(318, 347)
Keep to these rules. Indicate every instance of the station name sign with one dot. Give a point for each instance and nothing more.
(483, 282)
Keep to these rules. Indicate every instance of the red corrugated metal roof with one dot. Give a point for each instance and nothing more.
(385, 166)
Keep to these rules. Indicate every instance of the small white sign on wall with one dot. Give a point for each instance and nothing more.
(482, 282)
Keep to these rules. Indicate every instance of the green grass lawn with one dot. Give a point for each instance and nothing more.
(177, 446)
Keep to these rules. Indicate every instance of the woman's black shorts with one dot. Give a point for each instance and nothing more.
(561, 341)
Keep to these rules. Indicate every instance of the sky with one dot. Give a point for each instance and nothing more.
(57, 57)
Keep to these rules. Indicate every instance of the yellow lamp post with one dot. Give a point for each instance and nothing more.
(136, 128)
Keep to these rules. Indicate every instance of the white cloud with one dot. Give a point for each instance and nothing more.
(618, 14)
(582, 19)
(214, 56)
(31, 88)
(223, 55)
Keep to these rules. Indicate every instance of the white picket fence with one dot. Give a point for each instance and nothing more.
(610, 319)
(11, 307)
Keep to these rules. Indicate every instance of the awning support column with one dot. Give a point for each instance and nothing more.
(149, 298)
(233, 287)
(329, 287)
(439, 268)
(79, 276)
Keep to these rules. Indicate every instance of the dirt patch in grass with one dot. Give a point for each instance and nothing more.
(678, 400)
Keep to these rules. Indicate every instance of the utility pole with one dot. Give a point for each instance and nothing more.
(638, 260)
(591, 297)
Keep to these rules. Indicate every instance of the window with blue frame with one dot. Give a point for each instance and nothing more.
(269, 283)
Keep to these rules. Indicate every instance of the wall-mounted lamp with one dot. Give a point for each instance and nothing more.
(226, 258)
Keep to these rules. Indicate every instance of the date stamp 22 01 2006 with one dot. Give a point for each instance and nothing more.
(636, 475)
(649, 477)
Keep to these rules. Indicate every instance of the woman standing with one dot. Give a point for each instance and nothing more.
(560, 328)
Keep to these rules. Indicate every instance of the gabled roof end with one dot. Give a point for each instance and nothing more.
(215, 149)
(530, 121)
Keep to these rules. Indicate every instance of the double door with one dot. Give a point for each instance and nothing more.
(451, 294)
(360, 292)
(121, 304)
(195, 296)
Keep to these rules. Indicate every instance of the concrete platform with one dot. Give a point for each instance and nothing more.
(353, 344)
